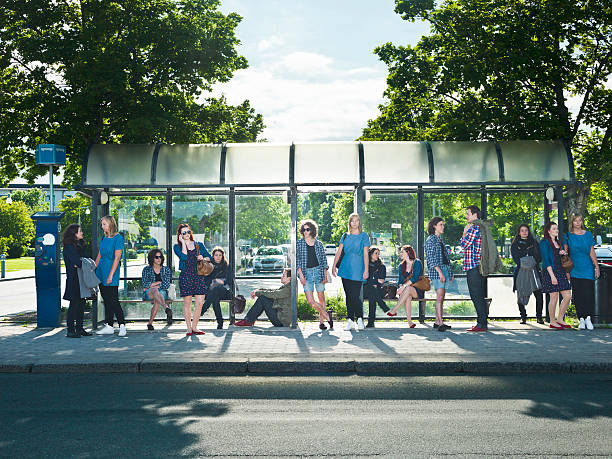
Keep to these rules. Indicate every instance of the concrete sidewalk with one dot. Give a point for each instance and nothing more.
(391, 348)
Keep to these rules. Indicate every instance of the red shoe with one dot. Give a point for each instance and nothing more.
(189, 333)
(565, 325)
(243, 323)
(199, 332)
(413, 325)
(556, 327)
(391, 314)
(476, 328)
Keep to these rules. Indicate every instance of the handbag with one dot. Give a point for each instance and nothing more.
(423, 283)
(238, 303)
(341, 252)
(566, 262)
(204, 267)
(389, 291)
(172, 292)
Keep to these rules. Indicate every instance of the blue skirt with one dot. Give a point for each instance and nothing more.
(563, 282)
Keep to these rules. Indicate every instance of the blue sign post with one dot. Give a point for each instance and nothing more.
(47, 268)
(51, 155)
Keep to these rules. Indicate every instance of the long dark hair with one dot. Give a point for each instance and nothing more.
(151, 256)
(370, 252)
(224, 262)
(411, 255)
(517, 236)
(69, 236)
(547, 235)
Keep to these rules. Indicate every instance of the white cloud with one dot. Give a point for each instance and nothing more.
(269, 43)
(297, 107)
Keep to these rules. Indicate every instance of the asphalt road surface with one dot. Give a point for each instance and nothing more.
(344, 416)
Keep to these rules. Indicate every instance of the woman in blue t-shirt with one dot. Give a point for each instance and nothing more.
(580, 245)
(411, 268)
(107, 270)
(353, 269)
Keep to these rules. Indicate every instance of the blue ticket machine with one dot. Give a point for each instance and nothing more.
(47, 267)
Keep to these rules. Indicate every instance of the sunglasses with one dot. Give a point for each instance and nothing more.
(185, 232)
(158, 256)
(307, 229)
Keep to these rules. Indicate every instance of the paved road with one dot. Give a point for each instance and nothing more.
(148, 415)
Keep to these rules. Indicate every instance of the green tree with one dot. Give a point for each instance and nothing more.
(263, 219)
(343, 207)
(79, 73)
(70, 207)
(504, 70)
(34, 198)
(16, 228)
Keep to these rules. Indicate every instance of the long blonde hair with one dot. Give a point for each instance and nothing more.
(572, 218)
(112, 225)
(354, 215)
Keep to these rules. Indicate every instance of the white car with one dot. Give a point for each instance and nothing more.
(330, 249)
(269, 258)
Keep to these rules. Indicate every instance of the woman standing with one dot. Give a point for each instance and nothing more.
(580, 245)
(72, 240)
(524, 245)
(554, 278)
(353, 269)
(410, 270)
(107, 270)
(312, 269)
(438, 267)
(373, 287)
(156, 280)
(219, 285)
(190, 282)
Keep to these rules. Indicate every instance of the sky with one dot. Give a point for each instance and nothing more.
(313, 74)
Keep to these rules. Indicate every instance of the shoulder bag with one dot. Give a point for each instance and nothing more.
(423, 283)
(342, 251)
(204, 267)
(238, 302)
(566, 262)
(389, 291)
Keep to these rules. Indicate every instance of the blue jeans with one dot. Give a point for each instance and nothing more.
(311, 280)
(162, 292)
(437, 283)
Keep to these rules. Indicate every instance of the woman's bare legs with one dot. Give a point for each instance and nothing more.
(319, 306)
(566, 297)
(552, 307)
(440, 293)
(187, 312)
(197, 312)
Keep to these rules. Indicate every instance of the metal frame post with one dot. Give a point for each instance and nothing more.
(95, 245)
(294, 285)
(232, 246)
(421, 239)
(169, 229)
(484, 211)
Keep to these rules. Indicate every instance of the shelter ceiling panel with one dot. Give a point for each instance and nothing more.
(535, 160)
(257, 163)
(465, 162)
(116, 164)
(195, 164)
(396, 162)
(329, 162)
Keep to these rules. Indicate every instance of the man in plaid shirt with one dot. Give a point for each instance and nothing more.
(471, 242)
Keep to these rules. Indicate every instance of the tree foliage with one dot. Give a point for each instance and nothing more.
(70, 206)
(505, 70)
(16, 228)
(77, 73)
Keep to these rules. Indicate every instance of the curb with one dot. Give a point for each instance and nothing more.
(287, 366)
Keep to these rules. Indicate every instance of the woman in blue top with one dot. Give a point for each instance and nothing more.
(190, 282)
(554, 278)
(580, 245)
(353, 269)
(156, 280)
(410, 270)
(107, 270)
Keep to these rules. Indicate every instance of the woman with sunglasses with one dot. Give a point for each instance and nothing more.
(190, 282)
(155, 283)
(312, 269)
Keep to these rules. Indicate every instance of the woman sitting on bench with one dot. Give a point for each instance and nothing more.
(219, 286)
(155, 283)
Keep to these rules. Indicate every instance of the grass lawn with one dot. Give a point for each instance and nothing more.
(15, 264)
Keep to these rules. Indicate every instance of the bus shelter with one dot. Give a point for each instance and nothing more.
(229, 192)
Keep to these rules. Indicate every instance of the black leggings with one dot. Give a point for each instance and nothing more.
(583, 293)
(76, 311)
(213, 297)
(354, 305)
(539, 297)
(110, 295)
(375, 297)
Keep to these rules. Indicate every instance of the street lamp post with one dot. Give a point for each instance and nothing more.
(87, 212)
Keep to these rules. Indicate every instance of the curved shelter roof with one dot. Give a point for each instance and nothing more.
(328, 163)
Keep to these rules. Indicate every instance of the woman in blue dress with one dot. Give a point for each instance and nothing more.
(354, 269)
(190, 282)
(107, 270)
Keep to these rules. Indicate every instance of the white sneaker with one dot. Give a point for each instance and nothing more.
(122, 330)
(588, 323)
(360, 324)
(350, 325)
(106, 330)
(581, 325)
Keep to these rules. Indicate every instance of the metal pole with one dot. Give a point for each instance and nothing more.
(79, 215)
(232, 246)
(421, 239)
(51, 197)
(95, 198)
(2, 262)
(294, 285)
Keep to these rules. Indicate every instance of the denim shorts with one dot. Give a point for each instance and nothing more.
(311, 275)
(163, 293)
(437, 283)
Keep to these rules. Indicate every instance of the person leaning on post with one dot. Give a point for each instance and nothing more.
(438, 267)
(190, 282)
(312, 269)
(275, 302)
(373, 286)
(72, 241)
(219, 285)
(156, 280)
(107, 270)
(354, 269)
(580, 245)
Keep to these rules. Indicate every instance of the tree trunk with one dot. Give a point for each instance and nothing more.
(576, 200)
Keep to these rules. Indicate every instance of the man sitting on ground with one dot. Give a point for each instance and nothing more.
(275, 302)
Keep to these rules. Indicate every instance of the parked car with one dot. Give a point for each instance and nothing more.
(604, 255)
(330, 249)
(269, 258)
